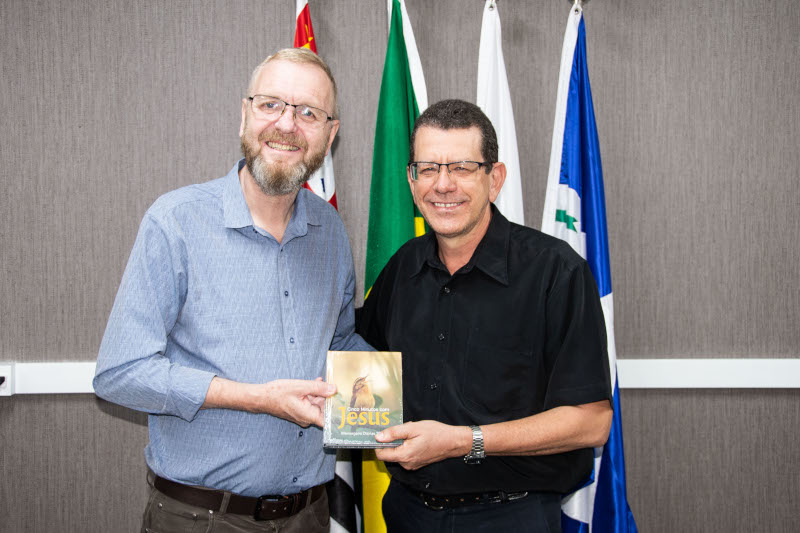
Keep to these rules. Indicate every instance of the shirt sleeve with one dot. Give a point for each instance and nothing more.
(345, 337)
(576, 347)
(371, 317)
(132, 369)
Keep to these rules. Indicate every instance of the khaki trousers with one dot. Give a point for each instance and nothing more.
(165, 515)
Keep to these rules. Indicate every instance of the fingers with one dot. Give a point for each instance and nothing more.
(400, 453)
(424, 443)
(316, 387)
(390, 455)
(401, 432)
(319, 401)
(406, 455)
(298, 401)
(304, 413)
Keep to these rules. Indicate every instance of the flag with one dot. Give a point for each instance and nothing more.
(574, 210)
(393, 219)
(494, 98)
(321, 182)
(345, 517)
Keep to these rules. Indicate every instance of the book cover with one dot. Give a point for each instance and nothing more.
(368, 399)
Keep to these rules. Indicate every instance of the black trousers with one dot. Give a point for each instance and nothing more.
(405, 512)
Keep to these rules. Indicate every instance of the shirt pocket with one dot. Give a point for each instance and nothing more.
(497, 384)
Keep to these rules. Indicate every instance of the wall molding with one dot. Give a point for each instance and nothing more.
(765, 373)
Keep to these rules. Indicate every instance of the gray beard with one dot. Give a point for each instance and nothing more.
(277, 181)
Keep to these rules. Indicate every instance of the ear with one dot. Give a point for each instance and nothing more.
(497, 176)
(411, 184)
(334, 130)
(244, 116)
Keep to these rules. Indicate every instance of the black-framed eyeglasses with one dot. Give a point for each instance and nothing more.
(459, 170)
(272, 108)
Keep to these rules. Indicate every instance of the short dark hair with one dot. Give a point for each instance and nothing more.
(458, 115)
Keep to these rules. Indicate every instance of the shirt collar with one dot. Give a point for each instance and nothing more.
(237, 214)
(491, 255)
(234, 207)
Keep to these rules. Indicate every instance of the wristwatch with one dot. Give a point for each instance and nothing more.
(476, 453)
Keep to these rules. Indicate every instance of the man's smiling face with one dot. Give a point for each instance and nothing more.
(282, 154)
(453, 208)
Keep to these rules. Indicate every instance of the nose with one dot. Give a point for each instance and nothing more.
(444, 181)
(286, 123)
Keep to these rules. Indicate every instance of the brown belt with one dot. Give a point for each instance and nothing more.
(262, 508)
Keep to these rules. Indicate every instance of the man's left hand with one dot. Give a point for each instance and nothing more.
(424, 443)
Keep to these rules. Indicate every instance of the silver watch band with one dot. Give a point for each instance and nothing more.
(476, 453)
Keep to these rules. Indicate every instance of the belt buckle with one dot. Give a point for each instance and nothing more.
(503, 497)
(430, 504)
(259, 502)
(500, 497)
(516, 496)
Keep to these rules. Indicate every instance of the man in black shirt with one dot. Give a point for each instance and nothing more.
(505, 373)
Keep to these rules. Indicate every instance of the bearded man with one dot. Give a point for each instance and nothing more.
(233, 293)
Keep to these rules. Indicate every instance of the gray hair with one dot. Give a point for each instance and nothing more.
(302, 56)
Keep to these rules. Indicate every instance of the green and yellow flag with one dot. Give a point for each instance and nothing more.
(393, 219)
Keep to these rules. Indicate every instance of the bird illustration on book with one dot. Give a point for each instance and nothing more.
(362, 395)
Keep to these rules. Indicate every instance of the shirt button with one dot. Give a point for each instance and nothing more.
(301, 433)
(294, 480)
(291, 340)
(428, 485)
(441, 336)
(433, 386)
(286, 293)
(447, 290)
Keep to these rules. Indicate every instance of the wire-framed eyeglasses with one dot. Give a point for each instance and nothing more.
(272, 108)
(459, 170)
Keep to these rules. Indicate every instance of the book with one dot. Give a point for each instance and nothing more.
(368, 399)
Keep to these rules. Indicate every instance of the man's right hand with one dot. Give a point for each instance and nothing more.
(296, 400)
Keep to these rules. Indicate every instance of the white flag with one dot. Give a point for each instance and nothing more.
(494, 98)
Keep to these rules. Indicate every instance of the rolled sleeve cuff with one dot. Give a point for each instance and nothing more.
(187, 391)
(578, 396)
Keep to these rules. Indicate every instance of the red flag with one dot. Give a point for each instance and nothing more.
(304, 33)
(321, 182)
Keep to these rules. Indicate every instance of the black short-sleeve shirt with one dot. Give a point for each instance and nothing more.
(518, 330)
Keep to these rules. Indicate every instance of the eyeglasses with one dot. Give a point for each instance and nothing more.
(458, 170)
(271, 108)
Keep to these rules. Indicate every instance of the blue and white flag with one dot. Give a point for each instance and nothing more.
(575, 211)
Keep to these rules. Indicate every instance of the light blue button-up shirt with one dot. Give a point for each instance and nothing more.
(206, 293)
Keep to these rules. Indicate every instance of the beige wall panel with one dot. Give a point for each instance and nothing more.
(717, 460)
(698, 109)
(106, 106)
(71, 463)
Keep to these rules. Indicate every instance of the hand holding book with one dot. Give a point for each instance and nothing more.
(424, 442)
(369, 398)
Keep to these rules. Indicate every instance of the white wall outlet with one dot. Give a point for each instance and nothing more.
(7, 371)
